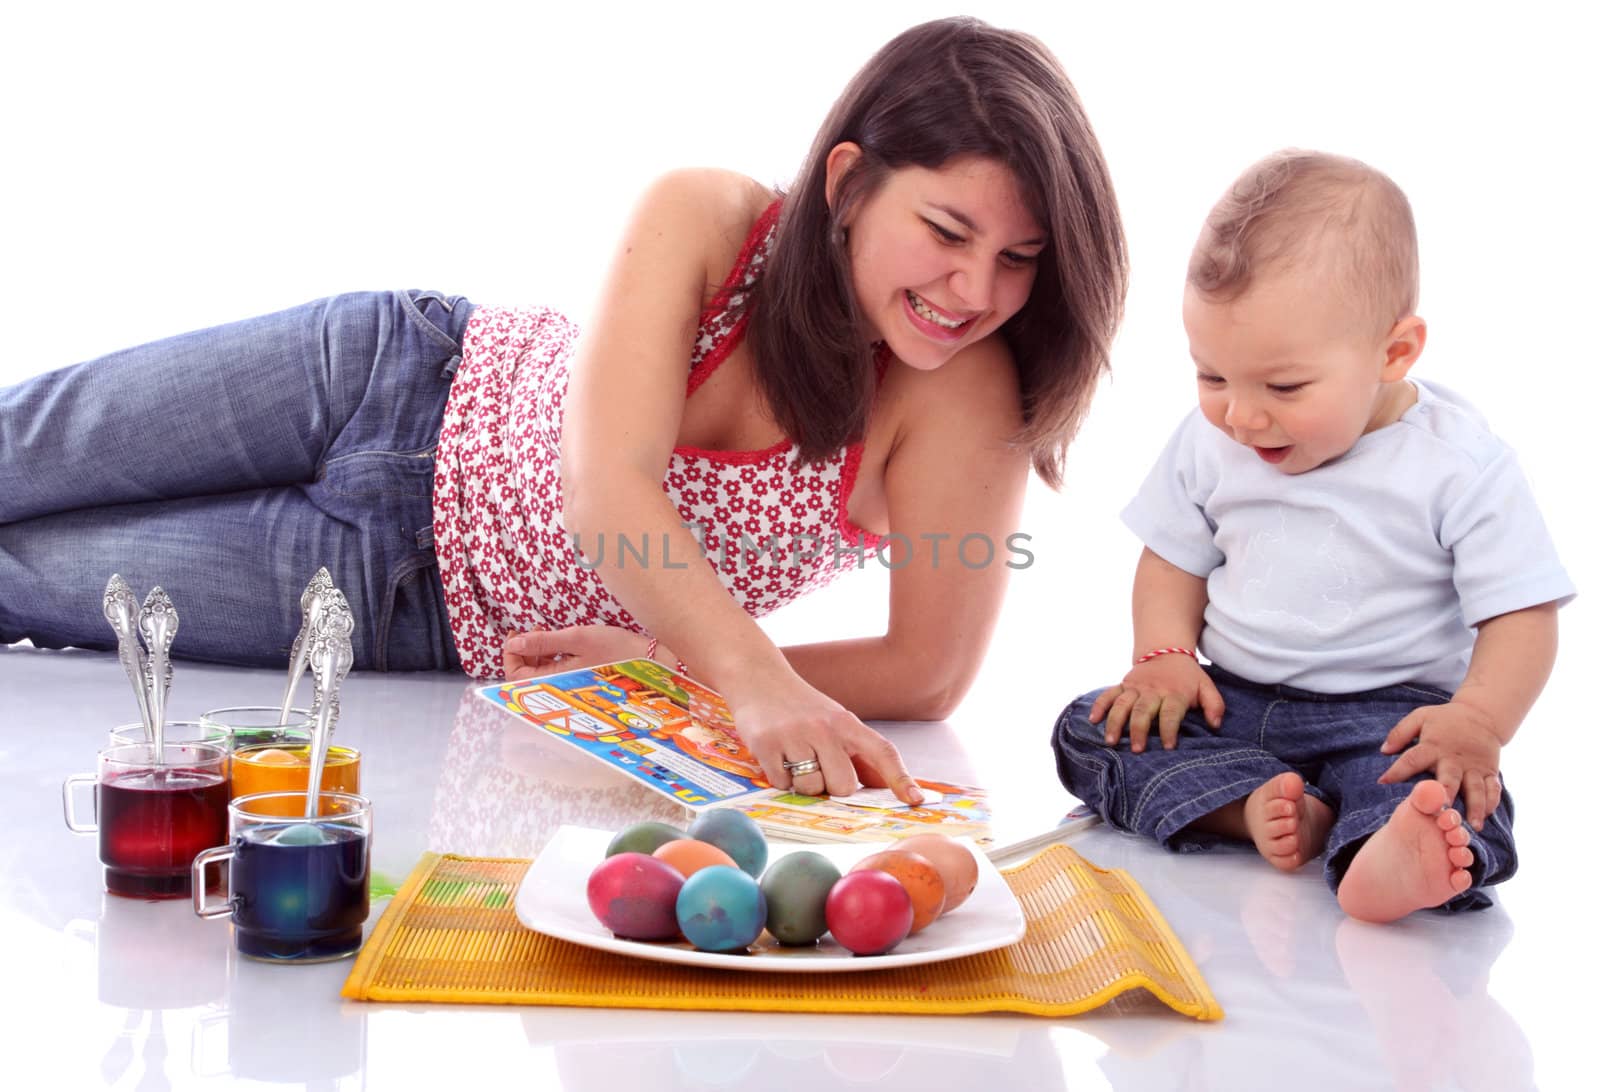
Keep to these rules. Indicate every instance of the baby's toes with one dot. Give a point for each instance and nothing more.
(1460, 856)
(1279, 808)
(1457, 836)
(1449, 819)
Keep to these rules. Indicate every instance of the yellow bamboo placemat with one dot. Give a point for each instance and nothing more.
(452, 935)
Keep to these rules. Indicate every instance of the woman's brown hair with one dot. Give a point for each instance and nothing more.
(950, 88)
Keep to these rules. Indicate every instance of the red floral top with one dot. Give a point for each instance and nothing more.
(771, 530)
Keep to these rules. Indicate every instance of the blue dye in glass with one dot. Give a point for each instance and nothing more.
(299, 901)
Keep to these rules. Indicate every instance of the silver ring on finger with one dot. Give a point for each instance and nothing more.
(803, 767)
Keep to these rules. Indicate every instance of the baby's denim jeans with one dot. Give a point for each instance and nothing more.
(1330, 740)
(226, 465)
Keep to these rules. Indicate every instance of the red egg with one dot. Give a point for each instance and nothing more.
(918, 876)
(868, 912)
(636, 896)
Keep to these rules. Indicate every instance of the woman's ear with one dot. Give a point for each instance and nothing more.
(1402, 347)
(840, 160)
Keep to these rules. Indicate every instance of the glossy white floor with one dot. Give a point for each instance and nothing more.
(191, 164)
(119, 993)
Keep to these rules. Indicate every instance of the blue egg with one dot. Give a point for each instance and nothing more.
(721, 909)
(736, 834)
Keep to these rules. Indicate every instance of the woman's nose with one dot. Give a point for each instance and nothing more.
(973, 284)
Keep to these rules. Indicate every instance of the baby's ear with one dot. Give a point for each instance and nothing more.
(1402, 345)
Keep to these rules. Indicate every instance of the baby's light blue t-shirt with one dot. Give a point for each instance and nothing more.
(1369, 570)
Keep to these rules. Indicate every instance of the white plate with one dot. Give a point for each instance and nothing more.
(553, 899)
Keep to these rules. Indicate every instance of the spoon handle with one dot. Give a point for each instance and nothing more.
(311, 604)
(158, 625)
(331, 657)
(122, 611)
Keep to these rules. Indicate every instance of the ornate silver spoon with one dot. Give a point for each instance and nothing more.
(331, 656)
(311, 601)
(158, 625)
(121, 609)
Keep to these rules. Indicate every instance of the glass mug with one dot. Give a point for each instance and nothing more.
(154, 813)
(297, 886)
(247, 725)
(286, 767)
(173, 731)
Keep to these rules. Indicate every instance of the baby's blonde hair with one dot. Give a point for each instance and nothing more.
(1298, 209)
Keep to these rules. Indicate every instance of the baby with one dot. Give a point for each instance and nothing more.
(1357, 556)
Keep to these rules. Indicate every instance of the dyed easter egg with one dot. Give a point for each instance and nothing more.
(300, 834)
(642, 838)
(736, 834)
(796, 887)
(721, 909)
(955, 862)
(917, 875)
(690, 855)
(636, 896)
(869, 912)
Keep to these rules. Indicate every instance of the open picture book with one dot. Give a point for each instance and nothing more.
(677, 738)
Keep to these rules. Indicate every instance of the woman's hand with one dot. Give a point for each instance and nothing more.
(793, 722)
(786, 720)
(549, 651)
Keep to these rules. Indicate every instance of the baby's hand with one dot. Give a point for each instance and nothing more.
(1459, 744)
(1163, 690)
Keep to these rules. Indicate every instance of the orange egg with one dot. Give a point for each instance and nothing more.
(955, 862)
(689, 856)
(918, 876)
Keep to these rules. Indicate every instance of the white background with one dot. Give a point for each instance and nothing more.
(170, 166)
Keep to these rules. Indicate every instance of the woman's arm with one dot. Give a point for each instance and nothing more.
(951, 474)
(624, 409)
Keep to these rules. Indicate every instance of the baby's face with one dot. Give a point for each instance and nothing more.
(1286, 371)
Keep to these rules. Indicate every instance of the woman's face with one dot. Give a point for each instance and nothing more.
(940, 258)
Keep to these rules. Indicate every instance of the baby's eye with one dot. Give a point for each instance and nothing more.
(1285, 388)
(1209, 380)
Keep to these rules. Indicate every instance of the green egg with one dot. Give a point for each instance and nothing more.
(736, 834)
(643, 838)
(796, 888)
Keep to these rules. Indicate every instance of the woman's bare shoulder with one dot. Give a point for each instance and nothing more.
(979, 387)
(719, 205)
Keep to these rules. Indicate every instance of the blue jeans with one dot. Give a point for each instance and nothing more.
(1330, 740)
(226, 465)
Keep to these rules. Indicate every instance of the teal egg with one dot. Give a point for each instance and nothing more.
(721, 909)
(300, 834)
(644, 838)
(736, 834)
(796, 889)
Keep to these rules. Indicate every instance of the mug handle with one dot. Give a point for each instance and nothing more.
(67, 811)
(198, 884)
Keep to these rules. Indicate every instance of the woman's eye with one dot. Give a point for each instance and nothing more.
(1012, 258)
(943, 233)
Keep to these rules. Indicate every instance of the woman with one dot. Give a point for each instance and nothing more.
(872, 362)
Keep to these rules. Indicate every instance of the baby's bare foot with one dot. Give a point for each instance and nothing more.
(1287, 826)
(1417, 859)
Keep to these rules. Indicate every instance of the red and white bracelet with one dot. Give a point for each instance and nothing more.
(650, 654)
(1154, 652)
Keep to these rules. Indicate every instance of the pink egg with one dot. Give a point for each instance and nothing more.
(636, 896)
(868, 912)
